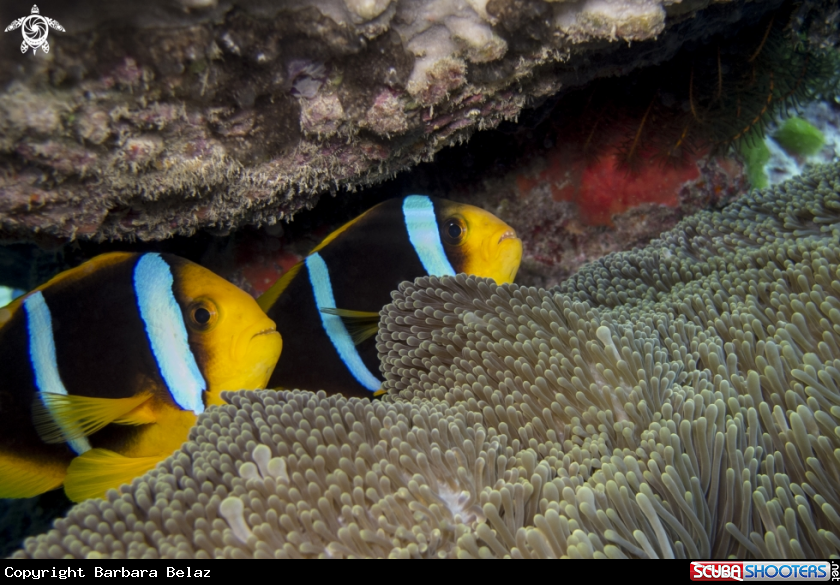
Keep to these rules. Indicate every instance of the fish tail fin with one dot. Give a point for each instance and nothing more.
(359, 324)
(93, 473)
(21, 477)
(61, 418)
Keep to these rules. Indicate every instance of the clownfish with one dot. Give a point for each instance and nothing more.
(328, 347)
(107, 365)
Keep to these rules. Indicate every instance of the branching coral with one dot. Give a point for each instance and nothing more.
(676, 401)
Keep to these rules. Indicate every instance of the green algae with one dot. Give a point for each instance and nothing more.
(799, 137)
(755, 156)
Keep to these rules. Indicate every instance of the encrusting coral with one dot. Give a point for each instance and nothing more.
(676, 401)
(149, 120)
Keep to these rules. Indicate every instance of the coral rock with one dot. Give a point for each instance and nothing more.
(161, 118)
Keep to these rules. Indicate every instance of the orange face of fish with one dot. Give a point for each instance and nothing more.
(482, 243)
(237, 343)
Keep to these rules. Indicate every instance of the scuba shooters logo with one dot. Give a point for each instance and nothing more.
(764, 571)
(35, 29)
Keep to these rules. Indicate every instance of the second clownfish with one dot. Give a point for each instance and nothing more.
(327, 306)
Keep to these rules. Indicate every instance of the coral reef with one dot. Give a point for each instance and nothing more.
(676, 401)
(569, 211)
(609, 166)
(145, 121)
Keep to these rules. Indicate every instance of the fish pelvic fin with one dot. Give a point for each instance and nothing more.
(60, 418)
(359, 324)
(93, 473)
(24, 478)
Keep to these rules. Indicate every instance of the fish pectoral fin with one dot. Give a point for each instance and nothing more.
(25, 478)
(60, 418)
(359, 324)
(142, 415)
(94, 472)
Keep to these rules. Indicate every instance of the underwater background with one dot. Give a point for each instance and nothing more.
(626, 396)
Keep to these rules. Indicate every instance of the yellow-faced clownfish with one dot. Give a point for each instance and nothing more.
(106, 366)
(357, 266)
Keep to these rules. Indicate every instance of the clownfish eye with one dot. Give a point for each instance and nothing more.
(454, 231)
(202, 315)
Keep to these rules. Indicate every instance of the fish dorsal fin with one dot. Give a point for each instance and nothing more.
(269, 297)
(360, 324)
(94, 472)
(25, 478)
(60, 418)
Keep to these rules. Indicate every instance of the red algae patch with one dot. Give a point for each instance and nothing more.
(606, 186)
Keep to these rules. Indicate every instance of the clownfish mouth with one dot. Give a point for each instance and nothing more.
(508, 235)
(267, 331)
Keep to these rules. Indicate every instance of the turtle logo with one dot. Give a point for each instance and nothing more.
(35, 29)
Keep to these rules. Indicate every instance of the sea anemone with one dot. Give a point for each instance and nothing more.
(675, 401)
